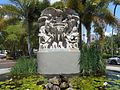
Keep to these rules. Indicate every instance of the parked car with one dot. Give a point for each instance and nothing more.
(114, 60)
(3, 54)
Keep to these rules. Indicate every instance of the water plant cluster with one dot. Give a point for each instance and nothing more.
(24, 83)
(38, 82)
(95, 83)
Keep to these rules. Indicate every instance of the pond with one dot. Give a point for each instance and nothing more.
(35, 82)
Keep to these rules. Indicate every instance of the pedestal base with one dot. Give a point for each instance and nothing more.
(58, 62)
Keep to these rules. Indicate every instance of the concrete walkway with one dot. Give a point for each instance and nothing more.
(4, 71)
(5, 66)
(113, 68)
(109, 67)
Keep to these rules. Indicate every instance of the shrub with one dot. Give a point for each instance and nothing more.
(106, 56)
(24, 66)
(91, 62)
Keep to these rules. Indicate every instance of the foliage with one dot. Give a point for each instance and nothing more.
(91, 61)
(28, 11)
(93, 12)
(106, 56)
(37, 82)
(58, 5)
(24, 66)
(107, 45)
(2, 23)
(14, 37)
(44, 5)
(94, 83)
(1, 41)
(31, 82)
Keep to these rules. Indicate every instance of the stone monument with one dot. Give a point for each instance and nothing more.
(58, 42)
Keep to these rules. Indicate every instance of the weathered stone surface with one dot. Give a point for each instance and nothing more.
(54, 12)
(56, 30)
(58, 61)
(58, 42)
(58, 83)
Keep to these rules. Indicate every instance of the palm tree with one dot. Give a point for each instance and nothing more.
(58, 5)
(92, 11)
(29, 11)
(116, 2)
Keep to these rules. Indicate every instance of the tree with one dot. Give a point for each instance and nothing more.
(29, 11)
(2, 24)
(107, 47)
(116, 2)
(15, 38)
(58, 5)
(92, 11)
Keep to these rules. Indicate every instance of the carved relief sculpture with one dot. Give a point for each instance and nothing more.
(57, 30)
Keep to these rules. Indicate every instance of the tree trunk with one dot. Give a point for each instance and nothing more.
(112, 45)
(28, 37)
(88, 36)
(80, 34)
(115, 9)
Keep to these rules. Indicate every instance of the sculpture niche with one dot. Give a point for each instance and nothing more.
(58, 30)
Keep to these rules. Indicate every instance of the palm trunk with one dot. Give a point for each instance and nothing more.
(28, 37)
(28, 40)
(28, 27)
(80, 35)
(88, 36)
(115, 9)
(112, 51)
(29, 45)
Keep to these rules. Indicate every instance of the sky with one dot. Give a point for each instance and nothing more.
(7, 1)
(111, 7)
(4, 1)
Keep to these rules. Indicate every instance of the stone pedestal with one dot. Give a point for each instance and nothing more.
(58, 62)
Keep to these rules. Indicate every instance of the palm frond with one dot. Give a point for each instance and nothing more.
(2, 24)
(116, 2)
(111, 19)
(11, 9)
(107, 16)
